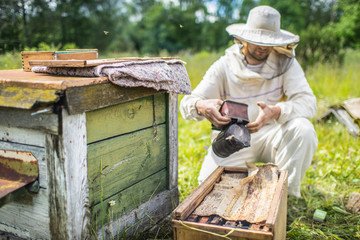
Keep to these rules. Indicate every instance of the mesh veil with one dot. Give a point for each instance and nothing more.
(278, 62)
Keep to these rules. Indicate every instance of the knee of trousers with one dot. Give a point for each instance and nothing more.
(303, 130)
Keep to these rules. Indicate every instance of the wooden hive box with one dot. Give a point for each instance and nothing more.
(79, 54)
(107, 156)
(188, 226)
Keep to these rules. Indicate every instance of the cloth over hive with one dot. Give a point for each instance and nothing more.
(236, 198)
(169, 75)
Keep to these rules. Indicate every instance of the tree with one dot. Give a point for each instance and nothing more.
(10, 27)
(297, 15)
(150, 26)
(172, 28)
(245, 8)
(348, 27)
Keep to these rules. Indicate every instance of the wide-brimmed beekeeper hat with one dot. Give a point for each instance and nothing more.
(263, 28)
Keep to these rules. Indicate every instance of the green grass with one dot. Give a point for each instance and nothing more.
(10, 60)
(333, 174)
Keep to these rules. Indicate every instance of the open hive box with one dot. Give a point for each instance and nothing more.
(214, 209)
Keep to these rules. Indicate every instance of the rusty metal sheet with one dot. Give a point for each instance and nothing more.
(17, 169)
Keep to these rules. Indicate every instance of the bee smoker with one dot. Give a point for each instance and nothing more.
(233, 136)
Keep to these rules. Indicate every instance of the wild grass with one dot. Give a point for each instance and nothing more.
(10, 60)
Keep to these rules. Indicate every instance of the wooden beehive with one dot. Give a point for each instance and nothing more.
(107, 156)
(188, 226)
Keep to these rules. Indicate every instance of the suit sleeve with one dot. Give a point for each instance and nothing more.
(210, 87)
(301, 102)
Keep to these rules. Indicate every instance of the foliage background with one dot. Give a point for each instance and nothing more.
(155, 26)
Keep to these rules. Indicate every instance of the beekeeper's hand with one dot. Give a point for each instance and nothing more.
(266, 114)
(209, 108)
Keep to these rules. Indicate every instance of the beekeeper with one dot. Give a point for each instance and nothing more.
(261, 71)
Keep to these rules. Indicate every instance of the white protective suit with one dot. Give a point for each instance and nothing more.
(289, 142)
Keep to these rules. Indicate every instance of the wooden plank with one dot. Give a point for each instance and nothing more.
(25, 215)
(236, 170)
(57, 192)
(37, 53)
(140, 218)
(19, 78)
(39, 154)
(160, 105)
(83, 55)
(58, 63)
(279, 229)
(68, 186)
(173, 139)
(46, 122)
(26, 98)
(215, 220)
(133, 156)
(74, 158)
(91, 63)
(185, 232)
(275, 206)
(192, 218)
(129, 198)
(195, 198)
(123, 118)
(92, 97)
(147, 58)
(21, 135)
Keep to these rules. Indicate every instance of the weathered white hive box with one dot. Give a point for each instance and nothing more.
(107, 156)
